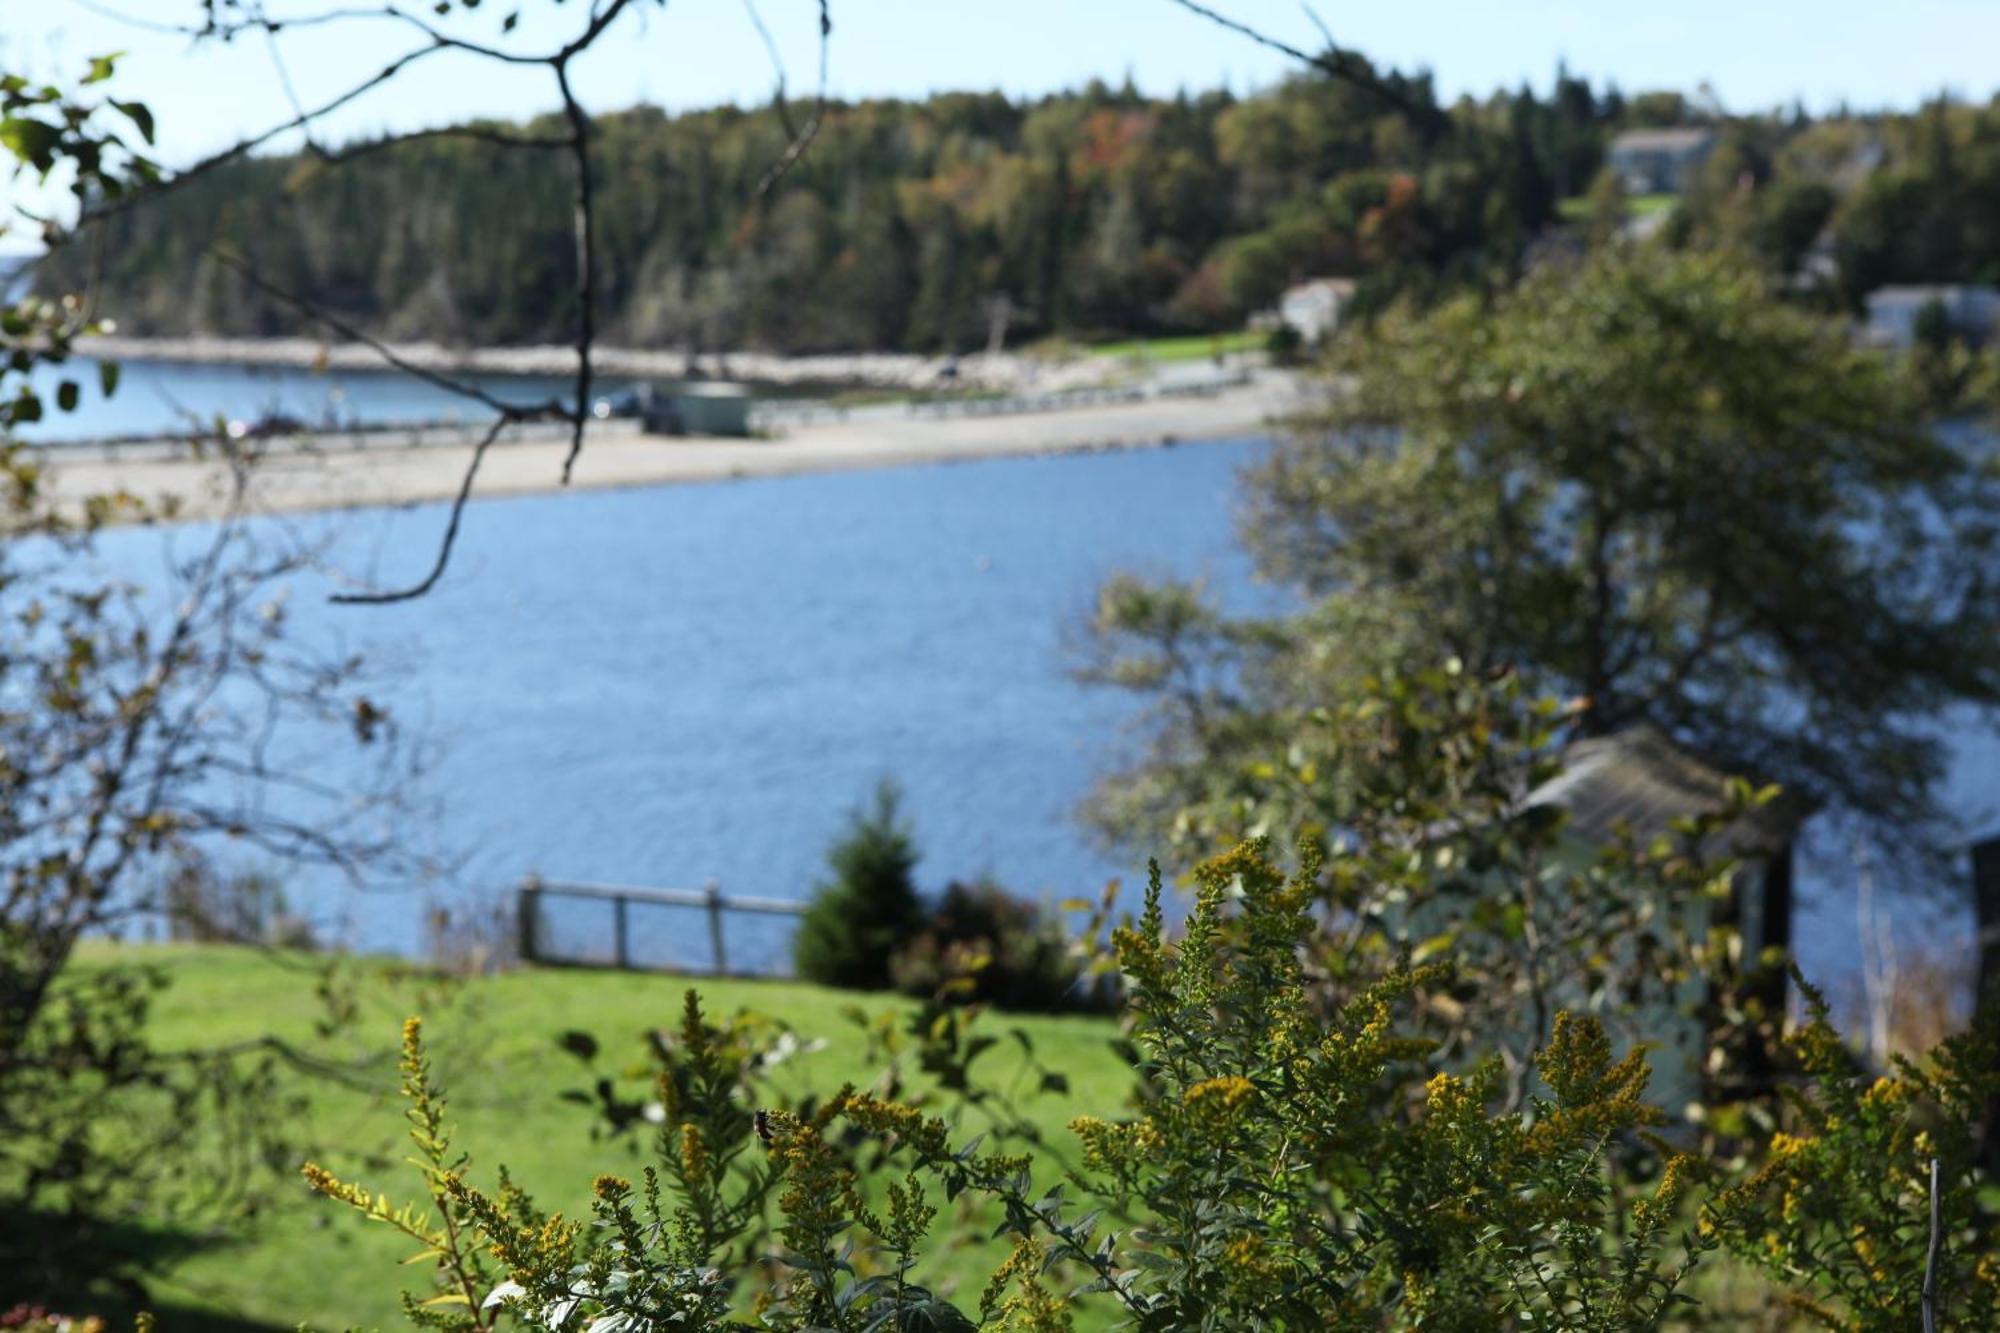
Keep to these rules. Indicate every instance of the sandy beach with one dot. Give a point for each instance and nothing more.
(332, 473)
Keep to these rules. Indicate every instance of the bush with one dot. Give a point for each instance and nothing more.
(857, 921)
(1841, 1208)
(1284, 345)
(1293, 1160)
(984, 945)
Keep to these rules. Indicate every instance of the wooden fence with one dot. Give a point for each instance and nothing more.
(709, 899)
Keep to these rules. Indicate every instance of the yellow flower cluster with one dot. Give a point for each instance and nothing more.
(1033, 1308)
(1115, 1149)
(1247, 1260)
(927, 1135)
(1219, 1100)
(695, 1163)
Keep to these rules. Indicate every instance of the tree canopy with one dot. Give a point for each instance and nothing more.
(1641, 481)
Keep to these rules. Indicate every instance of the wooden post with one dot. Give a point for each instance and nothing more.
(713, 897)
(527, 917)
(620, 933)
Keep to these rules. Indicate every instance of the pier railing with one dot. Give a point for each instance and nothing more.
(631, 949)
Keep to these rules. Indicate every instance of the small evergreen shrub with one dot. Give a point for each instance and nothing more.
(983, 945)
(858, 919)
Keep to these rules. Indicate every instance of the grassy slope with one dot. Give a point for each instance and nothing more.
(1194, 347)
(1576, 208)
(493, 1040)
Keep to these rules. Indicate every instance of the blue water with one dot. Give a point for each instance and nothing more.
(663, 686)
(160, 397)
(667, 686)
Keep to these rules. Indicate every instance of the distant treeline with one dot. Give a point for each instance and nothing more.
(1093, 213)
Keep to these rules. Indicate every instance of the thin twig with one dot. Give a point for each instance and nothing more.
(291, 91)
(429, 581)
(486, 134)
(1931, 1258)
(253, 17)
(1335, 61)
(586, 265)
(124, 203)
(396, 360)
(778, 98)
(803, 140)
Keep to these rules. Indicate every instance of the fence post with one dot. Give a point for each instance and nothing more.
(527, 914)
(712, 896)
(623, 943)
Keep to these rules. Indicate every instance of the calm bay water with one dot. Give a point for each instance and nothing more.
(662, 686)
(158, 397)
(666, 686)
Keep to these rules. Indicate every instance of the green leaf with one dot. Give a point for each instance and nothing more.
(140, 116)
(107, 377)
(30, 141)
(101, 68)
(68, 395)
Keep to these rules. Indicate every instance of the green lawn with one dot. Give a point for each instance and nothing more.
(1576, 208)
(494, 1047)
(1193, 347)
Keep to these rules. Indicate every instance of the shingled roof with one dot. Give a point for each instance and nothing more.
(1639, 778)
(1686, 140)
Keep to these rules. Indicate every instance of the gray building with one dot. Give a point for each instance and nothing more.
(1894, 313)
(1659, 161)
(1639, 781)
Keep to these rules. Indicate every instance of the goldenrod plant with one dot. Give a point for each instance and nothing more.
(1841, 1210)
(1294, 1158)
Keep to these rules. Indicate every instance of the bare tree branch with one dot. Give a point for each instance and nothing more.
(803, 139)
(586, 263)
(505, 410)
(126, 202)
(577, 412)
(1336, 61)
(429, 580)
(778, 98)
(486, 134)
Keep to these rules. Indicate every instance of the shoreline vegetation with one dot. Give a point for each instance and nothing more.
(342, 471)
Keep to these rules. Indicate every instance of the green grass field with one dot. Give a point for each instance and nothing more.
(1576, 208)
(304, 1260)
(1194, 347)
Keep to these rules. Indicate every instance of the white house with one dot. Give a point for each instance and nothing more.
(1313, 309)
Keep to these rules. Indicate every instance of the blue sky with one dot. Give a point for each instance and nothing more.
(1753, 53)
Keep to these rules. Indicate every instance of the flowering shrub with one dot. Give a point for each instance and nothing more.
(1293, 1159)
(1839, 1212)
(1383, 1091)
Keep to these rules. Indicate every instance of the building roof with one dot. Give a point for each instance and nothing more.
(1662, 141)
(1923, 294)
(1640, 779)
(1337, 286)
